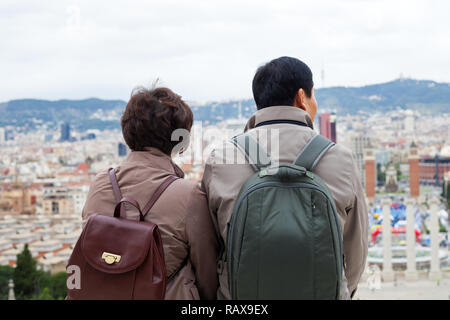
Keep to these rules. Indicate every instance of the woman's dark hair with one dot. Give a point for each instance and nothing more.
(277, 82)
(151, 116)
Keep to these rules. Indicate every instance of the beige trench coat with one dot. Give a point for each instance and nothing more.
(181, 214)
(222, 182)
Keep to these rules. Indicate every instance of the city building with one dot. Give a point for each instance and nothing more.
(57, 200)
(324, 124)
(78, 192)
(89, 136)
(382, 156)
(333, 132)
(414, 182)
(122, 149)
(432, 169)
(409, 121)
(17, 198)
(52, 264)
(327, 125)
(42, 247)
(359, 142)
(2, 136)
(370, 174)
(65, 132)
(76, 175)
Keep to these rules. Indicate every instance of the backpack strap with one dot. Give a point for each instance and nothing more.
(158, 193)
(255, 154)
(116, 190)
(313, 152)
(118, 195)
(115, 185)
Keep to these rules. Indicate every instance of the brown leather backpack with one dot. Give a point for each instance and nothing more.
(120, 259)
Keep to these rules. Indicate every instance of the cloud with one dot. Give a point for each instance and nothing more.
(208, 50)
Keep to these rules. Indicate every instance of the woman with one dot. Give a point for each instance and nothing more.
(188, 234)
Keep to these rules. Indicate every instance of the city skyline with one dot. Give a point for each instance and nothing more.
(225, 99)
(45, 175)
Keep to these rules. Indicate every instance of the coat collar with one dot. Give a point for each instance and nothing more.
(279, 113)
(155, 158)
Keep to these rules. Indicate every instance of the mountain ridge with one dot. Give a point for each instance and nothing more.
(427, 96)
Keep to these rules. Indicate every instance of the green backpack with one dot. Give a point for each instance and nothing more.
(284, 238)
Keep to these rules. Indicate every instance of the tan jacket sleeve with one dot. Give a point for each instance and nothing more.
(203, 244)
(355, 237)
(207, 187)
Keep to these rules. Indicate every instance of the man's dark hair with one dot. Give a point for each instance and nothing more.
(151, 116)
(277, 82)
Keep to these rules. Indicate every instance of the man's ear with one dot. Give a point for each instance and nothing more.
(299, 97)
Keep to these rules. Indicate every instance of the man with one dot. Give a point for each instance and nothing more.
(284, 95)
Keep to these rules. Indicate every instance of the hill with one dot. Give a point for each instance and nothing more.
(423, 95)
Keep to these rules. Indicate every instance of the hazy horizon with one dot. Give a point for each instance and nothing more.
(199, 103)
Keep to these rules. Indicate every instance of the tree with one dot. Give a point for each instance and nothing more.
(25, 275)
(442, 228)
(45, 295)
(28, 280)
(399, 172)
(58, 285)
(42, 280)
(55, 283)
(446, 192)
(6, 273)
(381, 174)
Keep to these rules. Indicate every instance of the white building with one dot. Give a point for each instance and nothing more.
(4, 261)
(22, 238)
(358, 142)
(52, 264)
(5, 244)
(5, 233)
(2, 136)
(65, 254)
(68, 238)
(11, 254)
(45, 246)
(409, 121)
(79, 196)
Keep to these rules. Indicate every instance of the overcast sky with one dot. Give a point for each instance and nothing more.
(210, 50)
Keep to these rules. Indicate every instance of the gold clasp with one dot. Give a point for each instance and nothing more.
(110, 258)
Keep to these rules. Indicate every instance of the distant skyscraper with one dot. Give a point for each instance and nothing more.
(333, 127)
(89, 136)
(65, 132)
(327, 125)
(2, 135)
(358, 143)
(324, 124)
(122, 150)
